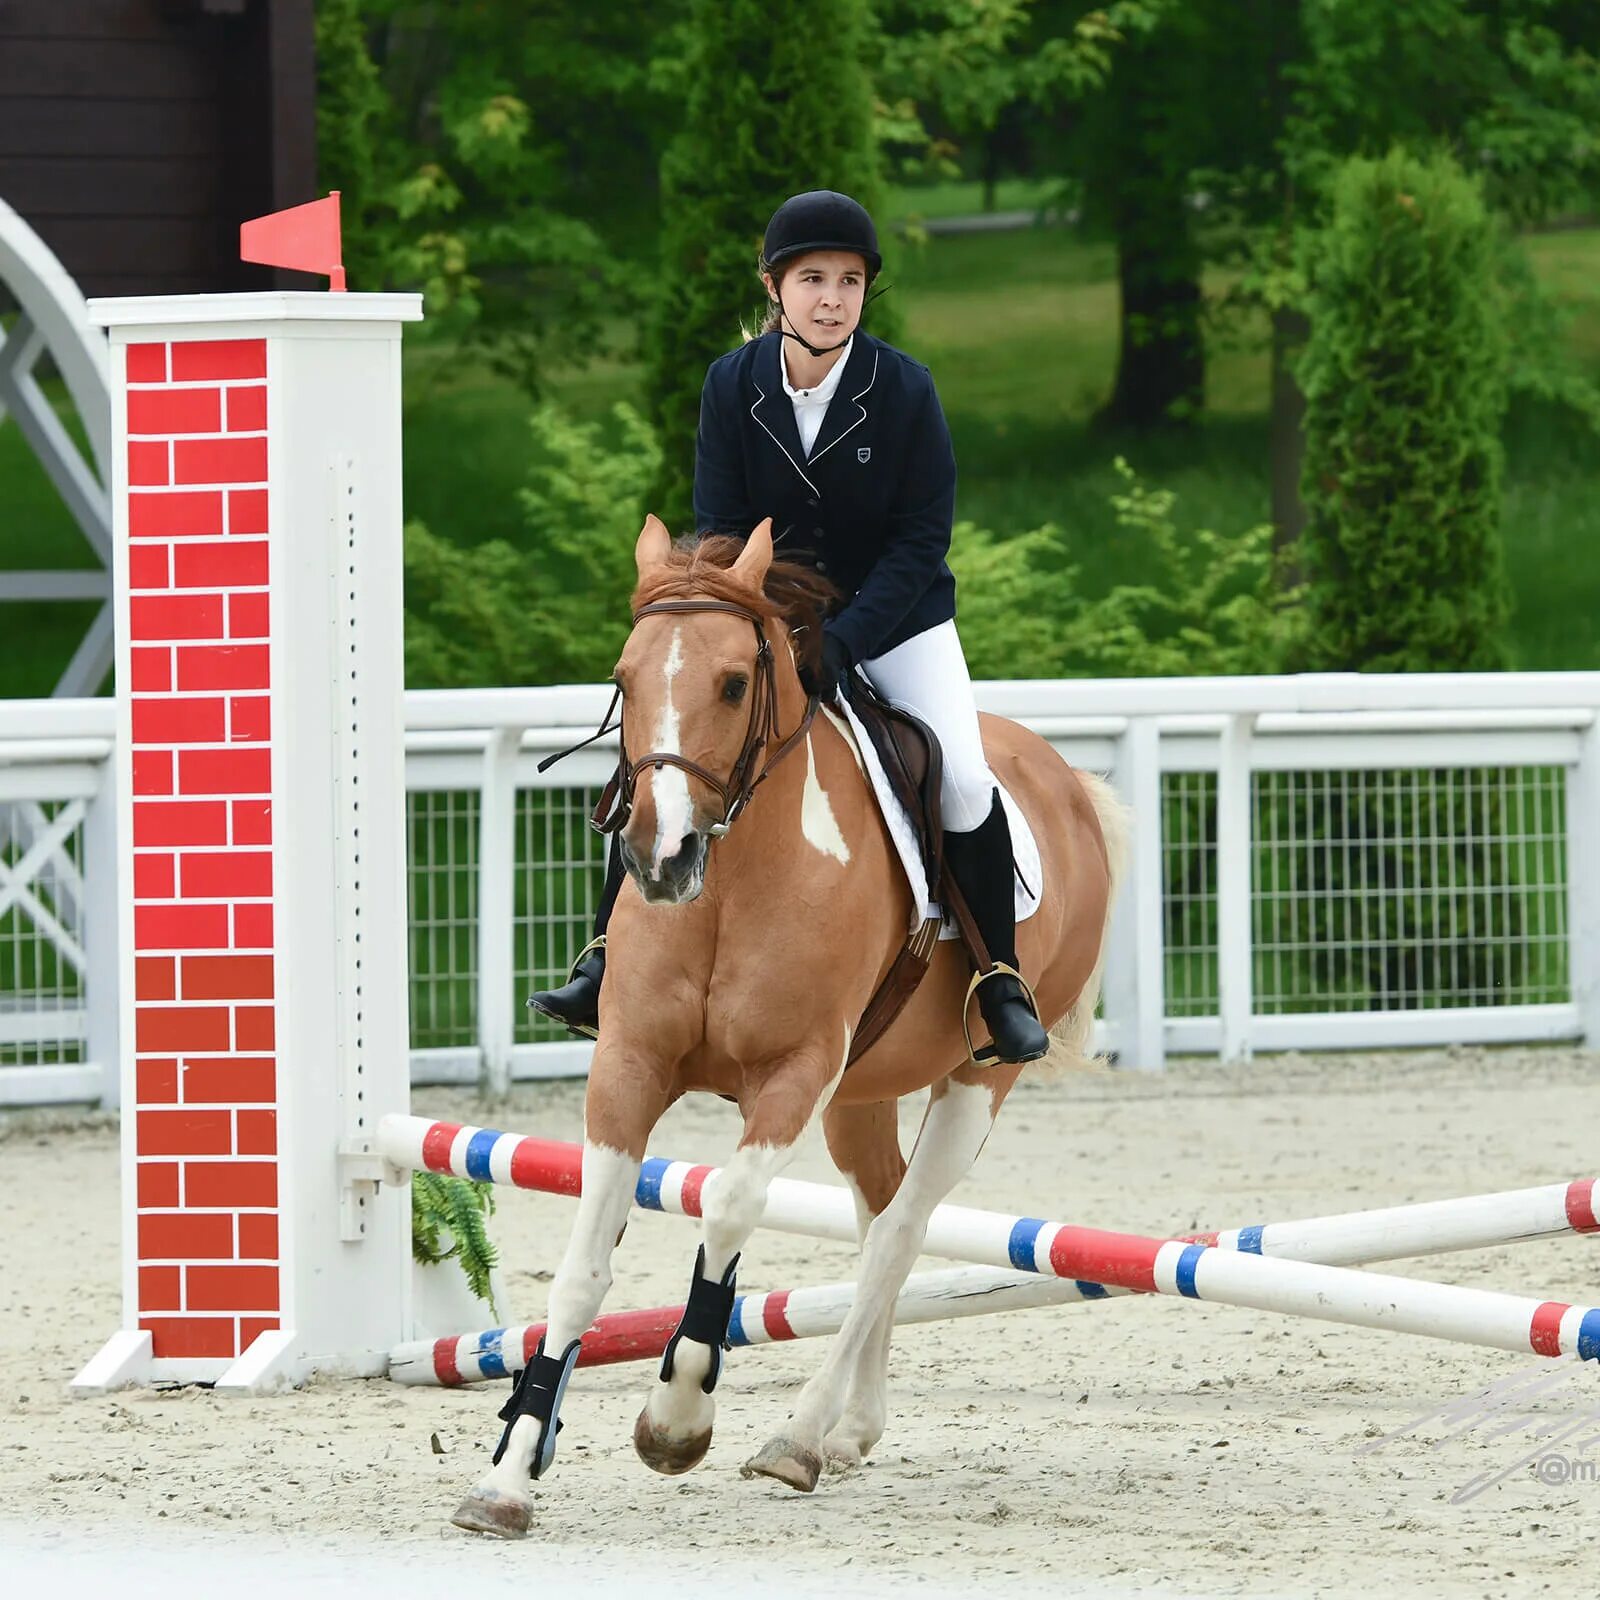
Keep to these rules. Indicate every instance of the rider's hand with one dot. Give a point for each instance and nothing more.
(823, 679)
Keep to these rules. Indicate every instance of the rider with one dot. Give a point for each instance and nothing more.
(840, 439)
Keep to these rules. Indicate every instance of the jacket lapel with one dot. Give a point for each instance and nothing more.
(848, 408)
(772, 411)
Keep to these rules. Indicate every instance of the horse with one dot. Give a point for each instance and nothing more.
(761, 911)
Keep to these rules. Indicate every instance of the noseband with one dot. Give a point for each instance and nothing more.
(616, 799)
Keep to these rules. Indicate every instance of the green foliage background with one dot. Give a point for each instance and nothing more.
(776, 104)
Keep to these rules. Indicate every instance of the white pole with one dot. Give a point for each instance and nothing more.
(1234, 877)
(1583, 882)
(497, 840)
(1136, 964)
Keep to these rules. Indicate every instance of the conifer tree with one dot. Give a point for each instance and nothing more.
(778, 102)
(1405, 392)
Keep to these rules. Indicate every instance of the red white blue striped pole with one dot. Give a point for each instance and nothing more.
(773, 1318)
(1242, 1267)
(824, 1211)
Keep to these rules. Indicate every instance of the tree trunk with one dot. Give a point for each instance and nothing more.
(1287, 439)
(1161, 366)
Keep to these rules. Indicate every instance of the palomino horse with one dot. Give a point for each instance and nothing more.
(741, 970)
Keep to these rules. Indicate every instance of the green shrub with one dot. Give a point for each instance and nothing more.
(1209, 603)
(1404, 375)
(556, 609)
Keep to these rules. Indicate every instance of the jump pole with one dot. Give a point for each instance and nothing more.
(1224, 1269)
(261, 847)
(773, 1318)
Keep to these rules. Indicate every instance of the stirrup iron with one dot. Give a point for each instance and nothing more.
(991, 1056)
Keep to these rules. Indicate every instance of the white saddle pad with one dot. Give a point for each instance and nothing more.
(1026, 881)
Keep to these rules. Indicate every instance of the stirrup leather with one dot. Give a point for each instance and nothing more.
(991, 1056)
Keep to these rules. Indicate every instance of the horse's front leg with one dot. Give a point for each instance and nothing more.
(616, 1126)
(673, 1432)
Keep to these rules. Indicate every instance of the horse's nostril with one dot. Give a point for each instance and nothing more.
(685, 858)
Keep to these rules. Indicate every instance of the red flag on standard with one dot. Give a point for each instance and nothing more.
(303, 239)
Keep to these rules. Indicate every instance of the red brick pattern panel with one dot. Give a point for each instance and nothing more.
(201, 681)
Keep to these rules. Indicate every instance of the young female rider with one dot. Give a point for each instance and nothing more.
(840, 439)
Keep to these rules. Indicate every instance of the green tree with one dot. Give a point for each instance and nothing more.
(501, 158)
(1404, 375)
(555, 611)
(775, 105)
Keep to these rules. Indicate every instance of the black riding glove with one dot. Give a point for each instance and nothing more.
(822, 680)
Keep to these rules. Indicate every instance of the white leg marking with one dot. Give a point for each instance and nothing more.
(817, 821)
(731, 1208)
(952, 1135)
(581, 1282)
(669, 786)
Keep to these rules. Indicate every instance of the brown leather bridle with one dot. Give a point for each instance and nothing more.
(616, 799)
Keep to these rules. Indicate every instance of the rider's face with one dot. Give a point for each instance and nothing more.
(822, 295)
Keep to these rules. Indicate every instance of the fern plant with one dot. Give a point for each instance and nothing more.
(456, 1205)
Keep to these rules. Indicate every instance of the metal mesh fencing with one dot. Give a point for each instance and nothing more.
(1371, 890)
(442, 855)
(42, 1021)
(560, 870)
(1378, 891)
(1189, 892)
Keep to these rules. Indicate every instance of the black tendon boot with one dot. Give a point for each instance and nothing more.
(576, 1004)
(982, 864)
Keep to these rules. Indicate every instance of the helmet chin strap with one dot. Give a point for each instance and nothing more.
(804, 343)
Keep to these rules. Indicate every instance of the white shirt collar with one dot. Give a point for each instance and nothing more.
(824, 391)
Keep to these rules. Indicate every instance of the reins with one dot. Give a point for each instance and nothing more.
(615, 805)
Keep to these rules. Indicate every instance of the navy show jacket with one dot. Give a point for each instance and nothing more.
(871, 506)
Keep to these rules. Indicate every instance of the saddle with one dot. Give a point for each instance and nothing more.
(914, 764)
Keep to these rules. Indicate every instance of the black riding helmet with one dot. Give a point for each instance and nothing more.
(821, 219)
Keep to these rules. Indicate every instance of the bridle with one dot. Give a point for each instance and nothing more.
(616, 799)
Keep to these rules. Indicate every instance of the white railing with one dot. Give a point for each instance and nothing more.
(1319, 862)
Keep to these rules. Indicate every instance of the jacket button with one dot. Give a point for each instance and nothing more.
(818, 533)
(812, 501)
(822, 567)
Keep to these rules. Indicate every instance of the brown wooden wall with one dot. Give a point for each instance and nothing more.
(136, 135)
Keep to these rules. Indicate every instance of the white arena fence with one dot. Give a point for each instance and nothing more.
(1320, 862)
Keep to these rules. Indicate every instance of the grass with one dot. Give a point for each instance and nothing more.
(1020, 329)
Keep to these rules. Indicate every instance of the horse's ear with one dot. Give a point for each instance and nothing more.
(751, 567)
(654, 546)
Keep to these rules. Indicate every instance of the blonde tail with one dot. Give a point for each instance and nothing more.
(1069, 1039)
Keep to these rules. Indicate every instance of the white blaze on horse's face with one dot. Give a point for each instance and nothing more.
(669, 786)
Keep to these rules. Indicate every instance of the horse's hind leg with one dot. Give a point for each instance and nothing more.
(864, 1141)
(959, 1117)
(673, 1431)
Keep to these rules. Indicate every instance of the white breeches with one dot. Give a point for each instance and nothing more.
(928, 675)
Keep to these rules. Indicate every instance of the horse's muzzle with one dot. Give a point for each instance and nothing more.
(680, 878)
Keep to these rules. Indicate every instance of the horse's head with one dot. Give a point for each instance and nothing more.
(706, 676)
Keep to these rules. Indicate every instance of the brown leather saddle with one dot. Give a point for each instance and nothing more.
(914, 766)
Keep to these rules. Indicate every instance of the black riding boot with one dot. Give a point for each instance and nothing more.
(982, 863)
(576, 1004)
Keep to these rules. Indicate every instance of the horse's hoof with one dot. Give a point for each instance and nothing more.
(786, 1461)
(666, 1453)
(489, 1511)
(841, 1454)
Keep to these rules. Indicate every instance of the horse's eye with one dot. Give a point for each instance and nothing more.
(733, 690)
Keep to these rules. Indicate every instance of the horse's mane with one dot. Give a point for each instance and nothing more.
(794, 593)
